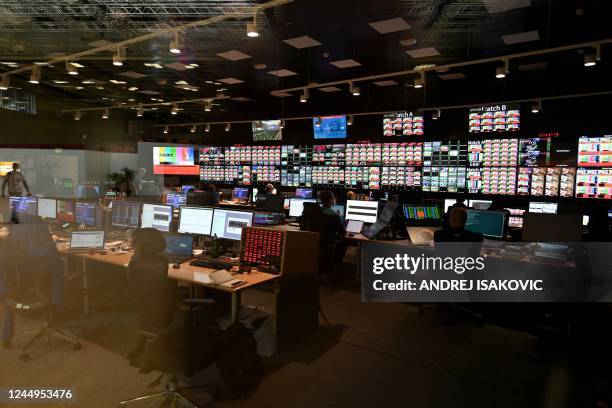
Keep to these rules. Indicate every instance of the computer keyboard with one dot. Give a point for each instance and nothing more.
(212, 264)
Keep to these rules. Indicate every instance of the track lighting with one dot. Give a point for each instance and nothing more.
(140, 111)
(282, 124)
(70, 69)
(502, 70)
(354, 90)
(77, 115)
(590, 58)
(536, 107)
(420, 82)
(166, 130)
(174, 110)
(207, 106)
(175, 45)
(304, 96)
(207, 128)
(5, 83)
(105, 114)
(35, 76)
(119, 57)
(251, 28)
(349, 120)
(435, 115)
(193, 129)
(228, 126)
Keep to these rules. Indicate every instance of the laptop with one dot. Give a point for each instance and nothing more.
(354, 227)
(422, 235)
(179, 248)
(85, 241)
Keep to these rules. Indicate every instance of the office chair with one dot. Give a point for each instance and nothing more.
(33, 296)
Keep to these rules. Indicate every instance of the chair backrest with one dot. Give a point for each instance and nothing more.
(312, 218)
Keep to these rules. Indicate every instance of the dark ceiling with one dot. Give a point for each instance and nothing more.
(459, 30)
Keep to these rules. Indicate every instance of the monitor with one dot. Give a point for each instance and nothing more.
(175, 200)
(296, 206)
(270, 202)
(412, 212)
(329, 127)
(47, 208)
(516, 217)
(86, 213)
(195, 220)
(240, 194)
(175, 160)
(609, 213)
(66, 210)
(542, 208)
(495, 118)
(552, 227)
(125, 214)
(402, 124)
(266, 218)
(264, 130)
(448, 202)
(87, 240)
(354, 227)
(480, 204)
(186, 187)
(156, 216)
(88, 191)
(487, 223)
(228, 224)
(179, 245)
(366, 211)
(261, 246)
(24, 205)
(339, 209)
(303, 193)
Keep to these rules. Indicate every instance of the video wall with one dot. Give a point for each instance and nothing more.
(515, 166)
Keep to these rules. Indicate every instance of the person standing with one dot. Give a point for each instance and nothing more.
(16, 182)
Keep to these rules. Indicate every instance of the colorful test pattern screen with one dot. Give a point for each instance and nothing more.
(329, 127)
(495, 118)
(595, 151)
(174, 160)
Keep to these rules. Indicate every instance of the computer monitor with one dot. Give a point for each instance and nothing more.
(303, 193)
(186, 188)
(266, 218)
(254, 195)
(195, 220)
(480, 204)
(66, 210)
(240, 194)
(487, 223)
(516, 217)
(86, 213)
(270, 202)
(366, 211)
(448, 202)
(88, 191)
(412, 212)
(125, 214)
(542, 208)
(179, 245)
(552, 227)
(47, 208)
(175, 200)
(156, 216)
(87, 240)
(339, 209)
(24, 205)
(296, 206)
(228, 224)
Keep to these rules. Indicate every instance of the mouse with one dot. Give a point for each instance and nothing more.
(176, 266)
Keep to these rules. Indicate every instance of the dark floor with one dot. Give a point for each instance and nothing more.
(371, 355)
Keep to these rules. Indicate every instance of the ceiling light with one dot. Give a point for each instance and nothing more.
(304, 96)
(435, 115)
(349, 120)
(133, 88)
(282, 124)
(71, 69)
(207, 106)
(105, 114)
(536, 107)
(77, 115)
(502, 70)
(175, 45)
(140, 111)
(228, 126)
(78, 88)
(35, 76)
(119, 57)
(207, 128)
(5, 83)
(77, 65)
(252, 28)
(193, 129)
(175, 109)
(418, 83)
(153, 65)
(166, 130)
(354, 90)
(590, 58)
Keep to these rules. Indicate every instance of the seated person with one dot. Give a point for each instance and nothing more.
(351, 195)
(208, 187)
(333, 231)
(270, 189)
(455, 230)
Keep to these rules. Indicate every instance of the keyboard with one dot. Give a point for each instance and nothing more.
(212, 264)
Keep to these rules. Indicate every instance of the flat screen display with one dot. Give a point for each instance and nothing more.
(402, 124)
(47, 208)
(444, 179)
(499, 180)
(66, 211)
(487, 223)
(594, 183)
(329, 155)
(402, 154)
(401, 178)
(175, 200)
(267, 130)
(328, 176)
(366, 211)
(296, 206)
(595, 151)
(86, 213)
(195, 220)
(542, 208)
(125, 214)
(156, 216)
(228, 224)
(451, 153)
(5, 167)
(495, 118)
(212, 156)
(421, 212)
(174, 160)
(24, 205)
(329, 127)
(535, 151)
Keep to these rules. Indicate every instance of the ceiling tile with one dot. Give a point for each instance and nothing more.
(329, 89)
(390, 26)
(455, 75)
(500, 6)
(281, 73)
(347, 63)
(521, 37)
(423, 52)
(388, 82)
(132, 74)
(302, 42)
(233, 55)
(230, 81)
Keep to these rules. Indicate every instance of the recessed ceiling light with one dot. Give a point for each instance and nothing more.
(153, 65)
(116, 82)
(251, 28)
(133, 88)
(79, 88)
(59, 82)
